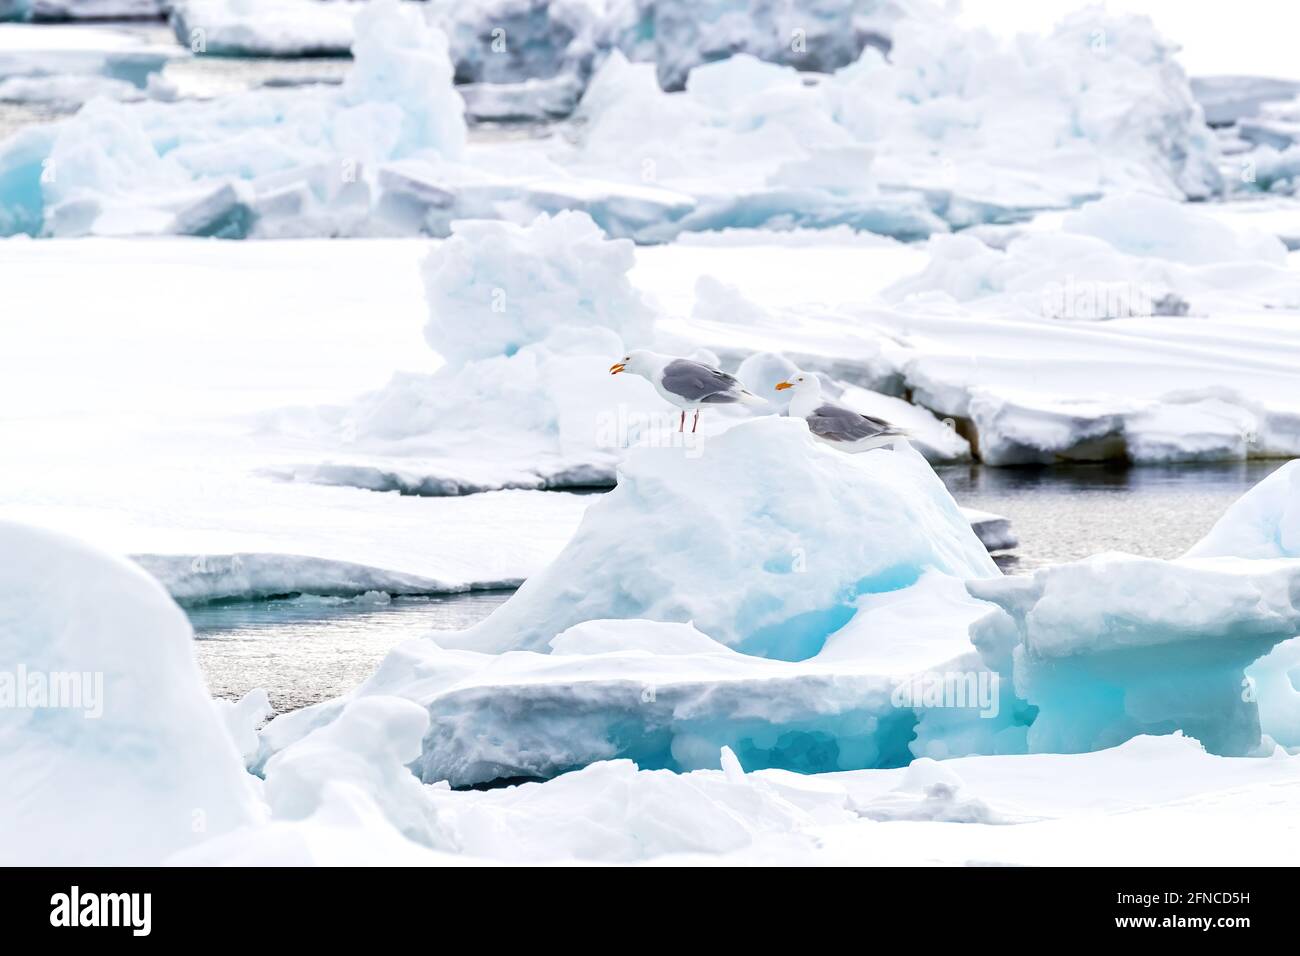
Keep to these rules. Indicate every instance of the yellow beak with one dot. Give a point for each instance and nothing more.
(782, 386)
(616, 368)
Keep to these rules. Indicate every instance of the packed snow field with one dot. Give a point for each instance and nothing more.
(748, 641)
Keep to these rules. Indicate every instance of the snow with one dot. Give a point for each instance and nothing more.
(188, 485)
(138, 764)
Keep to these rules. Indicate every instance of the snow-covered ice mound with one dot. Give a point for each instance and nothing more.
(266, 162)
(761, 537)
(111, 751)
(265, 27)
(495, 287)
(527, 320)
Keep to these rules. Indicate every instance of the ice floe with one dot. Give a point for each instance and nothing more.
(746, 142)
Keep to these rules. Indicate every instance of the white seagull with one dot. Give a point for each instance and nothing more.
(834, 424)
(688, 384)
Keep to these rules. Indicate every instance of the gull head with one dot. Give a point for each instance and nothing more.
(801, 382)
(638, 362)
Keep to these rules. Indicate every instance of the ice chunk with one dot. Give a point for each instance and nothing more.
(1118, 645)
(110, 749)
(771, 539)
(533, 715)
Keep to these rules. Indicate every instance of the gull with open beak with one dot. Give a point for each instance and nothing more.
(688, 384)
(834, 424)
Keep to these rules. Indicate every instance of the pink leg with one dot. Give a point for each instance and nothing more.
(682, 426)
(696, 422)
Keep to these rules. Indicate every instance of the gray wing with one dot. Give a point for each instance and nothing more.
(837, 423)
(697, 382)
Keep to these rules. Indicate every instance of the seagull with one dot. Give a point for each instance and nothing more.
(688, 384)
(834, 424)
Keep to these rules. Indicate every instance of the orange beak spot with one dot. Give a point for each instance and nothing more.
(782, 386)
(616, 368)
